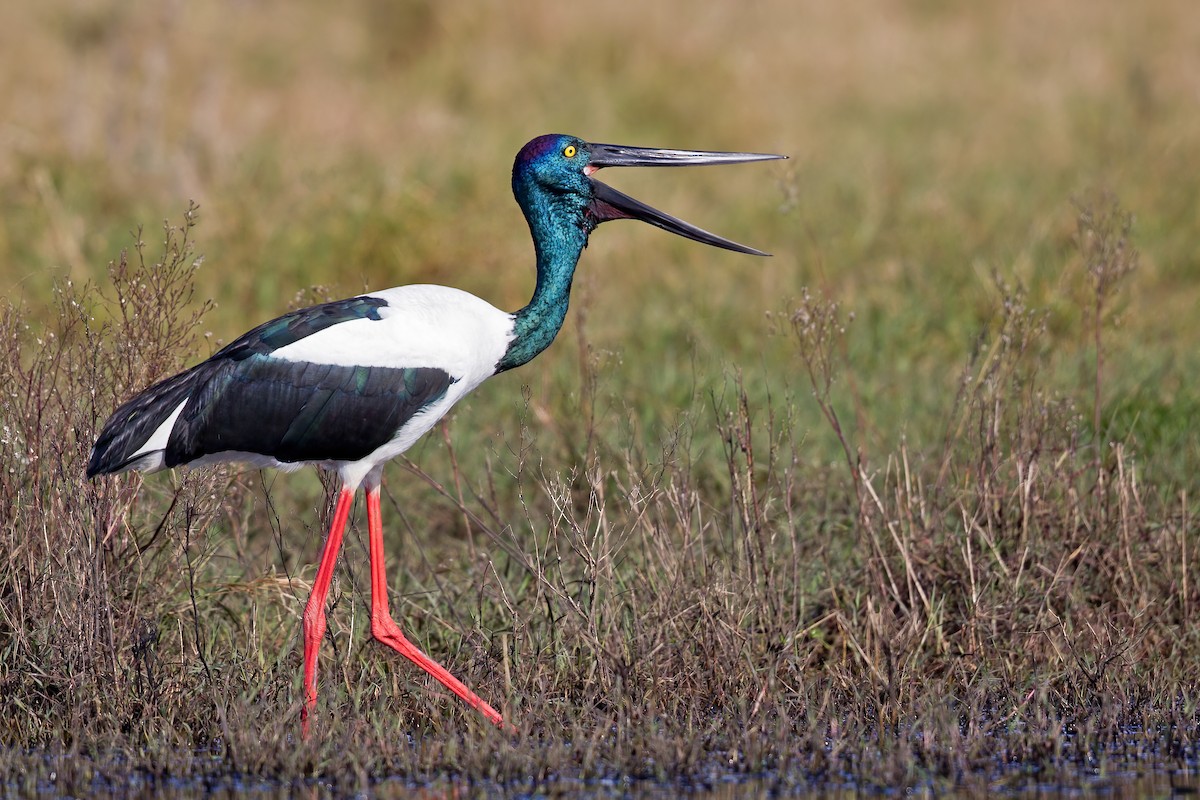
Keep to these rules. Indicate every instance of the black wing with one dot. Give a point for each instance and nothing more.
(299, 411)
(243, 400)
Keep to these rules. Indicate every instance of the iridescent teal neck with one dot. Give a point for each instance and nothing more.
(559, 236)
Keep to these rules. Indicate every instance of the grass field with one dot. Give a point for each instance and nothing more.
(910, 504)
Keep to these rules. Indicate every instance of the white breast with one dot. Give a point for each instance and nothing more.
(421, 326)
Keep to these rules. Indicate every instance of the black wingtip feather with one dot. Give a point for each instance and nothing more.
(135, 421)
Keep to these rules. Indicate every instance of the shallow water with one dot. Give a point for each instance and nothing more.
(1134, 782)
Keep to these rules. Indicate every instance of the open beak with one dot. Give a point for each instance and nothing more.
(609, 204)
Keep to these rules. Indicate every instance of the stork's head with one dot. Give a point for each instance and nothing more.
(553, 183)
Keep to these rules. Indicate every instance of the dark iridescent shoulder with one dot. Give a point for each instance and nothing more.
(296, 325)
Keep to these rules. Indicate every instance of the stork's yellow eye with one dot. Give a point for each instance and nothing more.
(569, 151)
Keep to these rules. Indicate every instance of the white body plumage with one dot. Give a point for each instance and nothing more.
(417, 326)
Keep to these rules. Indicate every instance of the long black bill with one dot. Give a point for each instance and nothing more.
(619, 155)
(609, 204)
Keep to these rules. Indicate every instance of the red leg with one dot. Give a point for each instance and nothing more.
(388, 632)
(314, 610)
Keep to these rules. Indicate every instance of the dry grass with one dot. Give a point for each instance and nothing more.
(1012, 596)
(932, 519)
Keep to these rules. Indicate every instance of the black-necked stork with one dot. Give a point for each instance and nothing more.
(350, 384)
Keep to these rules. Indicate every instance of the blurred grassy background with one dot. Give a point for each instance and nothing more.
(368, 146)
